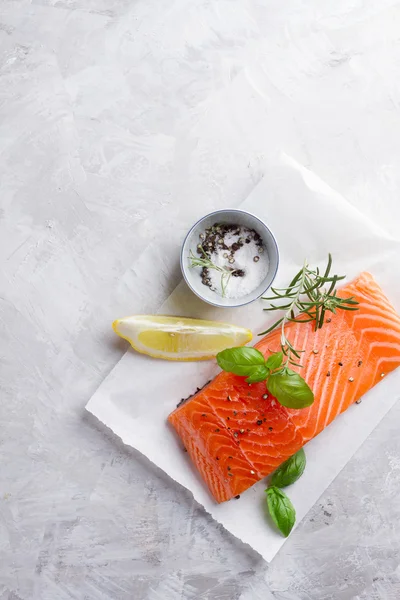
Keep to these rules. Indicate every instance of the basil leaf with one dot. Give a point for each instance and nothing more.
(290, 471)
(259, 374)
(290, 389)
(274, 361)
(240, 361)
(281, 510)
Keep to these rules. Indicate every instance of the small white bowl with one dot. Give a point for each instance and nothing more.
(233, 216)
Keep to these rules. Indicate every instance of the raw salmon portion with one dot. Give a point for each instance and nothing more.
(236, 434)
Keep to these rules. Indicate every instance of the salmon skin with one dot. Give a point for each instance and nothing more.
(237, 434)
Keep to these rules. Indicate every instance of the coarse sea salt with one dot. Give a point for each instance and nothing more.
(254, 271)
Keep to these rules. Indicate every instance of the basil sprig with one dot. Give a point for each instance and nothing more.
(280, 507)
(288, 387)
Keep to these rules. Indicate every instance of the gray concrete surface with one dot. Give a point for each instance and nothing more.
(121, 121)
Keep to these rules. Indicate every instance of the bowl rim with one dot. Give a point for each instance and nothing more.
(184, 267)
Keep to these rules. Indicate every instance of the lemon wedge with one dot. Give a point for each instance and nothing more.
(179, 338)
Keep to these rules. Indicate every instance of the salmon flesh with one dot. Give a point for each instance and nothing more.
(237, 434)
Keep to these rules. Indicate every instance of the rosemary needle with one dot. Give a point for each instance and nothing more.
(307, 298)
(205, 261)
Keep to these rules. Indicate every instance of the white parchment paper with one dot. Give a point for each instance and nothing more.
(309, 220)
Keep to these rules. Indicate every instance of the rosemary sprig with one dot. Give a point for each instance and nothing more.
(307, 299)
(206, 262)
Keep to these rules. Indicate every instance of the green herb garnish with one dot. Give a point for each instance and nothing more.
(289, 471)
(286, 385)
(206, 262)
(279, 506)
(281, 510)
(308, 301)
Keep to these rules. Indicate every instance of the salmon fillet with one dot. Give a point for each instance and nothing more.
(236, 434)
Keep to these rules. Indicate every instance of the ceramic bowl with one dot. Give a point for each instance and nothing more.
(192, 274)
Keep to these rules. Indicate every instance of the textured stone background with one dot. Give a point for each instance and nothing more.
(121, 120)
